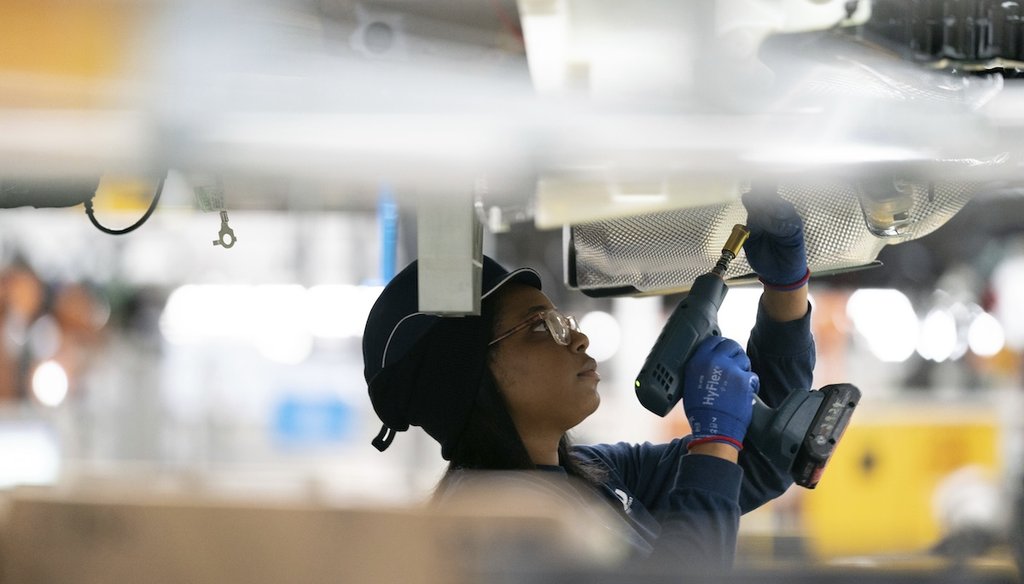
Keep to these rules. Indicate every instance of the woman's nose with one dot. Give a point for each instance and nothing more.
(579, 342)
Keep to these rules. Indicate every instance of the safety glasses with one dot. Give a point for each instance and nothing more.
(559, 325)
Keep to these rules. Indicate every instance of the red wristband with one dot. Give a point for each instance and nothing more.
(716, 438)
(787, 287)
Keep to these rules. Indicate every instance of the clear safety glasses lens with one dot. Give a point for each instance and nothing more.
(560, 326)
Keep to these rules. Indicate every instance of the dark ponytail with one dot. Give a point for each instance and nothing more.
(491, 442)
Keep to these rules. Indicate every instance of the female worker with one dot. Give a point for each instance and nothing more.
(500, 391)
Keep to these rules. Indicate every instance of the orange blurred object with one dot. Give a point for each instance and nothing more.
(59, 54)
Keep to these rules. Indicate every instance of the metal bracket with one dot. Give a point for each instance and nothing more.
(450, 242)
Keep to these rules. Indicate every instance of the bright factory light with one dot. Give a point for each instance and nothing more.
(31, 454)
(886, 320)
(281, 321)
(604, 333)
(738, 314)
(265, 314)
(50, 383)
(281, 334)
(937, 341)
(985, 336)
(340, 311)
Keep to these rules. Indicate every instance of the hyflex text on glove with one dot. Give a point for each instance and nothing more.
(718, 392)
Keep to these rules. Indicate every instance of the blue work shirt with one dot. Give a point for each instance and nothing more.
(685, 508)
(690, 505)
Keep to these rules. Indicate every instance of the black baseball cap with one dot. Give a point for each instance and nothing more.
(422, 369)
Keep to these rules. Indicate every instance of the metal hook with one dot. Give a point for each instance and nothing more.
(227, 235)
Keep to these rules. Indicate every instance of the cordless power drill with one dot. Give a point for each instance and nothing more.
(799, 435)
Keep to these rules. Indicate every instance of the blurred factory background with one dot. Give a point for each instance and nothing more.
(158, 363)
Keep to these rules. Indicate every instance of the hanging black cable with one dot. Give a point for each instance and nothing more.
(133, 227)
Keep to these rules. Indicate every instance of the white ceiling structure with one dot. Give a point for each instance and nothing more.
(558, 112)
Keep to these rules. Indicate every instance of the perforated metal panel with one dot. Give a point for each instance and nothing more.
(664, 252)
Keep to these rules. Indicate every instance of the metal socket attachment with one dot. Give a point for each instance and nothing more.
(737, 238)
(732, 247)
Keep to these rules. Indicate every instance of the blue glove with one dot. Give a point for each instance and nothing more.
(718, 392)
(775, 248)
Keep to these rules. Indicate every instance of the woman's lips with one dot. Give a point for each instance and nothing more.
(590, 370)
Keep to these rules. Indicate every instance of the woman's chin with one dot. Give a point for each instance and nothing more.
(596, 399)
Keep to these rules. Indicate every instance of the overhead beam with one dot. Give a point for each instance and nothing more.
(450, 241)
